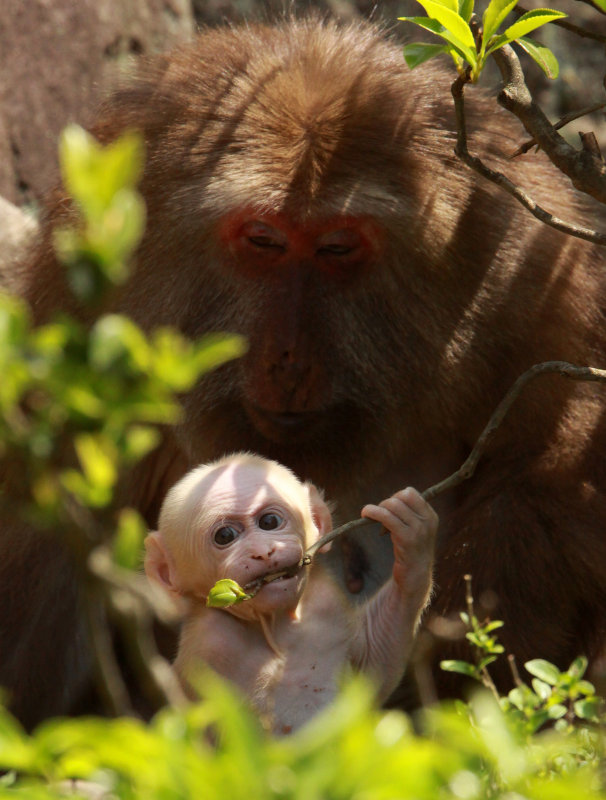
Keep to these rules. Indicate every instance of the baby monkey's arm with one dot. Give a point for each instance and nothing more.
(389, 620)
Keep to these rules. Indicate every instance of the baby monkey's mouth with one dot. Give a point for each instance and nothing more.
(269, 577)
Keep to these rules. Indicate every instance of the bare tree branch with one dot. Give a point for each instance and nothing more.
(586, 170)
(467, 469)
(593, 5)
(569, 26)
(567, 118)
(503, 181)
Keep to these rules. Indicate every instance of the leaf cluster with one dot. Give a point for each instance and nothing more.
(563, 697)
(470, 47)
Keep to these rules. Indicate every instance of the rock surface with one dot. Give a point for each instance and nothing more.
(56, 58)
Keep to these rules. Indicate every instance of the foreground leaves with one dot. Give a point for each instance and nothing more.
(450, 20)
(216, 749)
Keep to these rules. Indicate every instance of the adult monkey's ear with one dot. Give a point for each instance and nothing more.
(159, 564)
(320, 514)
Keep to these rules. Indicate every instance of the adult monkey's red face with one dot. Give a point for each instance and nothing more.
(280, 185)
(286, 384)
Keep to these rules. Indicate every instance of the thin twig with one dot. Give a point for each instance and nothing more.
(467, 469)
(593, 5)
(134, 608)
(109, 681)
(503, 181)
(511, 659)
(565, 120)
(586, 172)
(472, 626)
(569, 26)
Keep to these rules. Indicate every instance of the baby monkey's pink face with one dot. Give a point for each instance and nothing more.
(256, 533)
(243, 518)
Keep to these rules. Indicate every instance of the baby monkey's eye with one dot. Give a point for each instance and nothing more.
(226, 535)
(270, 521)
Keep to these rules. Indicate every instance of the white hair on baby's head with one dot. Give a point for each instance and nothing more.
(184, 511)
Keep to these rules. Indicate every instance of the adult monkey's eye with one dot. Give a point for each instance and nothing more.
(270, 521)
(262, 235)
(225, 535)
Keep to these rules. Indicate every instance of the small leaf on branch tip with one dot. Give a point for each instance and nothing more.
(544, 670)
(467, 53)
(541, 55)
(128, 542)
(556, 711)
(226, 593)
(466, 9)
(451, 20)
(494, 15)
(462, 667)
(530, 21)
(578, 667)
(93, 173)
(587, 708)
(417, 53)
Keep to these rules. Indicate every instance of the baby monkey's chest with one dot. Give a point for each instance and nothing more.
(290, 689)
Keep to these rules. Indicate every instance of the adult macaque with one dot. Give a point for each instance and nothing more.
(302, 190)
(250, 519)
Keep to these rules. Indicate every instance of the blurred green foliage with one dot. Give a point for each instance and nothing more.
(469, 46)
(350, 751)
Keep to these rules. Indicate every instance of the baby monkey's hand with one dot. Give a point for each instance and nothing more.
(412, 524)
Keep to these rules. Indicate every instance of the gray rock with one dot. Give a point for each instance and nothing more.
(16, 231)
(56, 58)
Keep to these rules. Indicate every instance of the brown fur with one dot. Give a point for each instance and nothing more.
(411, 355)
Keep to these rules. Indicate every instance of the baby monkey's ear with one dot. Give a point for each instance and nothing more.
(159, 565)
(320, 513)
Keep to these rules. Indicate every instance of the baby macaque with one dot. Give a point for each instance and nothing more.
(249, 519)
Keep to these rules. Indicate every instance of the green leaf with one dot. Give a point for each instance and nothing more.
(139, 441)
(544, 670)
(522, 697)
(541, 55)
(453, 5)
(449, 18)
(97, 457)
(556, 711)
(462, 667)
(128, 542)
(466, 9)
(585, 687)
(417, 53)
(93, 174)
(226, 593)
(530, 21)
(216, 349)
(600, 4)
(587, 708)
(542, 689)
(434, 26)
(578, 667)
(494, 15)
(493, 626)
(115, 338)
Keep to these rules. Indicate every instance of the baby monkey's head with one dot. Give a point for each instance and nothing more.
(242, 517)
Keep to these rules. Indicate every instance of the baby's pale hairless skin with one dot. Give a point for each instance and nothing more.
(286, 646)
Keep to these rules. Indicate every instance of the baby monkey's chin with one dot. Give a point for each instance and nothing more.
(281, 595)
